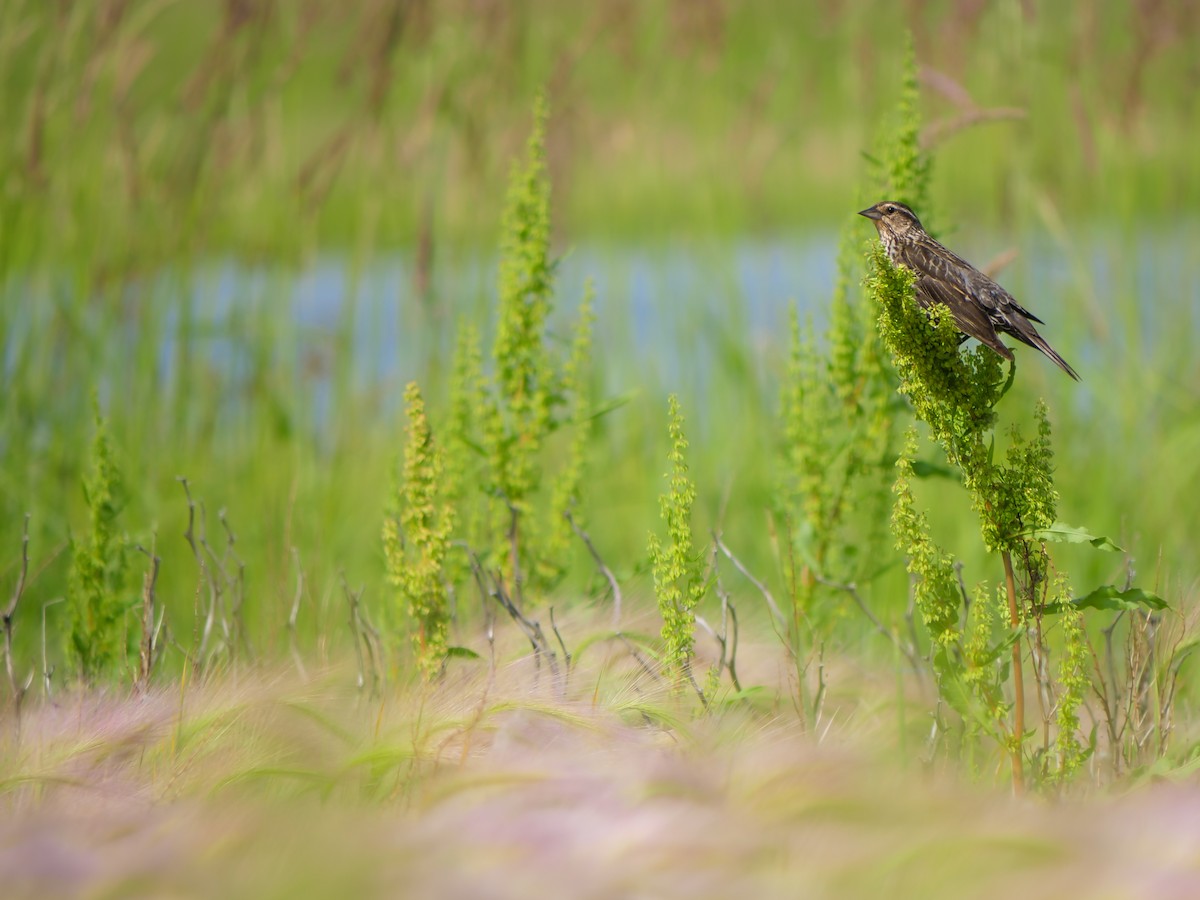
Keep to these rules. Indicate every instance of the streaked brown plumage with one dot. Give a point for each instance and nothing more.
(981, 308)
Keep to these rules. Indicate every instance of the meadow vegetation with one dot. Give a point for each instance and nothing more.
(537, 583)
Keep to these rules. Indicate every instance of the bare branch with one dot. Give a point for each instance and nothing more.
(727, 643)
(355, 631)
(199, 635)
(216, 586)
(294, 615)
(566, 653)
(514, 541)
(851, 589)
(604, 570)
(733, 645)
(644, 663)
(149, 582)
(489, 614)
(47, 669)
(533, 630)
(18, 692)
(237, 585)
(762, 588)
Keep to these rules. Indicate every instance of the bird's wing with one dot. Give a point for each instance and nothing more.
(971, 319)
(944, 278)
(981, 308)
(952, 268)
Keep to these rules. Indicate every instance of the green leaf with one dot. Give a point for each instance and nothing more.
(462, 653)
(748, 693)
(1061, 533)
(1111, 598)
(924, 469)
(1181, 653)
(612, 404)
(756, 696)
(645, 642)
(1012, 635)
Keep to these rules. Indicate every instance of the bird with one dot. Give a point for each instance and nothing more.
(982, 309)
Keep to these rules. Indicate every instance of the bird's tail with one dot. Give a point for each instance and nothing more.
(1036, 340)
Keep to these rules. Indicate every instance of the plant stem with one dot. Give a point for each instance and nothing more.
(1014, 617)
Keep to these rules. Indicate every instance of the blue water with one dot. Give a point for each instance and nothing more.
(677, 317)
(671, 310)
(668, 311)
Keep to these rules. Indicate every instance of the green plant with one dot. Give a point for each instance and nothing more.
(520, 415)
(468, 403)
(838, 418)
(99, 566)
(955, 394)
(679, 581)
(1075, 684)
(837, 421)
(416, 538)
(567, 491)
(504, 426)
(513, 462)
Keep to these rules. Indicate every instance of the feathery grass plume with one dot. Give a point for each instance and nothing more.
(416, 535)
(99, 566)
(678, 574)
(1074, 684)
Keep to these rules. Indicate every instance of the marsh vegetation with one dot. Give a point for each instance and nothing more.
(424, 421)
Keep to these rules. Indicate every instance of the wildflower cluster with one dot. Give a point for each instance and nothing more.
(416, 537)
(99, 567)
(678, 577)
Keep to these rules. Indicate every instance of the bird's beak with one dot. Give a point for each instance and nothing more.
(872, 213)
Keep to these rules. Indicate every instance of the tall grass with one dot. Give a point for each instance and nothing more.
(276, 128)
(167, 198)
(269, 785)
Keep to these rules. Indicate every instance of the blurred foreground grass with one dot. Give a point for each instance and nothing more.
(177, 176)
(276, 785)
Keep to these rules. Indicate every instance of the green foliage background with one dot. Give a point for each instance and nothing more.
(150, 144)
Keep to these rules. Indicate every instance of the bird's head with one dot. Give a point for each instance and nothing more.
(893, 217)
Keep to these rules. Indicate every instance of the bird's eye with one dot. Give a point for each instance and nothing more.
(891, 209)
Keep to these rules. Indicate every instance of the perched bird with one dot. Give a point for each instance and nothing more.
(980, 307)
